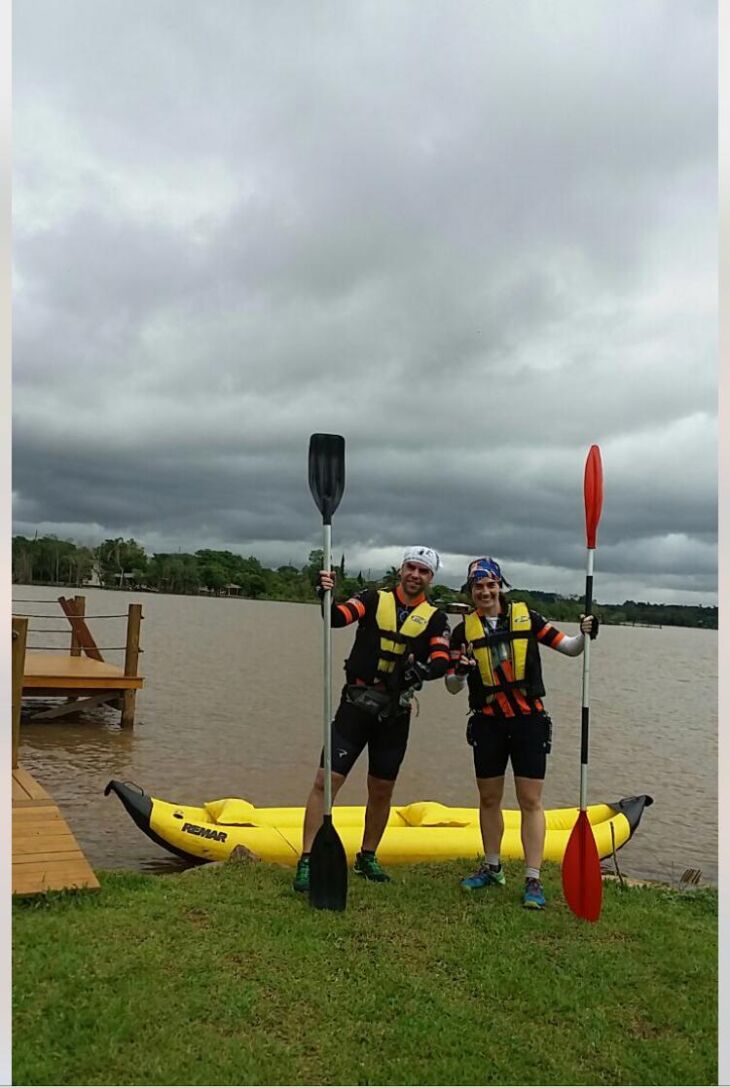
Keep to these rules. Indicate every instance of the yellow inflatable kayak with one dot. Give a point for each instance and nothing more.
(422, 831)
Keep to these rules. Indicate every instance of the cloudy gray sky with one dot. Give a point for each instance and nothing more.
(473, 237)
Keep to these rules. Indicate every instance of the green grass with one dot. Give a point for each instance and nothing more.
(227, 977)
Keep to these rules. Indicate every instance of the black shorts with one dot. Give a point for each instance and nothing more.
(352, 729)
(523, 740)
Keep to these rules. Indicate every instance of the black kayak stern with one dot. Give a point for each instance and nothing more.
(137, 803)
(632, 808)
(139, 806)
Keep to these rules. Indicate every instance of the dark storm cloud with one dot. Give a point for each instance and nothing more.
(474, 245)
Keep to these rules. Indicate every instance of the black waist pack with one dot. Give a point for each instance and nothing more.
(371, 700)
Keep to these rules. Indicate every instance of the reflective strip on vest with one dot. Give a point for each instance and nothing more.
(519, 623)
(393, 641)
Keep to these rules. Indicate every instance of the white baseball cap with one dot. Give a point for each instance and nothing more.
(427, 557)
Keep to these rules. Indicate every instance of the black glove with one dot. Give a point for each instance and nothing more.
(415, 674)
(594, 628)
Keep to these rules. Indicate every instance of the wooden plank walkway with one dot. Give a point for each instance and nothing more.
(46, 856)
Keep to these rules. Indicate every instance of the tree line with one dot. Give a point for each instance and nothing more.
(118, 563)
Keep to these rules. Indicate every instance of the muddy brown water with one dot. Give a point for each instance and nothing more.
(232, 707)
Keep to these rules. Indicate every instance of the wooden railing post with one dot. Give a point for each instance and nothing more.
(131, 658)
(80, 607)
(78, 624)
(20, 635)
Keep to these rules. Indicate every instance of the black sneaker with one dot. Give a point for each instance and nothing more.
(367, 865)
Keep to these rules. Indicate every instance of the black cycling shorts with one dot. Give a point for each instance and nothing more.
(386, 741)
(524, 740)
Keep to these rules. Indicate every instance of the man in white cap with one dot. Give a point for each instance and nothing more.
(401, 641)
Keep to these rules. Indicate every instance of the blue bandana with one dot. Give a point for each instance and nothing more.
(486, 567)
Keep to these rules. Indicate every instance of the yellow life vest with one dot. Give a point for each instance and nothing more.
(515, 649)
(393, 640)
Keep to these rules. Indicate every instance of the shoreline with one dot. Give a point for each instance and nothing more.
(446, 605)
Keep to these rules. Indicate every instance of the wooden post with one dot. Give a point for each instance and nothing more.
(83, 633)
(131, 657)
(20, 634)
(80, 607)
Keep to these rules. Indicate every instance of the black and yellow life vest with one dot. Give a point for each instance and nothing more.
(517, 649)
(394, 640)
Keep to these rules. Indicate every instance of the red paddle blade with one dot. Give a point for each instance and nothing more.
(582, 881)
(593, 493)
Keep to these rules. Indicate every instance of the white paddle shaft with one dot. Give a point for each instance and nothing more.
(327, 617)
(586, 684)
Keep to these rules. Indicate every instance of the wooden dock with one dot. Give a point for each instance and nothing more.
(46, 856)
(81, 673)
(49, 674)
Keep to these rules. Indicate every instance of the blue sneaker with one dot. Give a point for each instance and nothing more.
(483, 877)
(533, 897)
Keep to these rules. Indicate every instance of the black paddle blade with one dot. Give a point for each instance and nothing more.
(327, 869)
(327, 472)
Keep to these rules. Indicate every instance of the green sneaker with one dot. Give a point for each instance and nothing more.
(301, 880)
(483, 878)
(367, 865)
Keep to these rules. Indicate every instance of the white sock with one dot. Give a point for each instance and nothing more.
(493, 860)
(531, 874)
